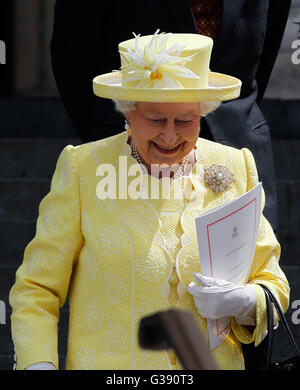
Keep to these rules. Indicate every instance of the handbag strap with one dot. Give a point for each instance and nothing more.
(270, 317)
(270, 298)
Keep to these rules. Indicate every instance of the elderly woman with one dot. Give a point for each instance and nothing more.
(123, 247)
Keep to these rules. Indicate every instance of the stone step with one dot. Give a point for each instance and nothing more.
(288, 236)
(7, 278)
(288, 201)
(20, 199)
(46, 117)
(33, 133)
(33, 158)
(292, 274)
(34, 118)
(283, 115)
(286, 159)
(15, 236)
(282, 349)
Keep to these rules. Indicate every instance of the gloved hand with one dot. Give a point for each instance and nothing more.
(41, 366)
(217, 298)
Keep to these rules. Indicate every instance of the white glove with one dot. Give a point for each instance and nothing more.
(41, 366)
(217, 298)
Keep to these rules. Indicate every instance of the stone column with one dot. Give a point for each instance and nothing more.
(32, 33)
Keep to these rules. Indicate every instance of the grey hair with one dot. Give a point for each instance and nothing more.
(208, 107)
(124, 106)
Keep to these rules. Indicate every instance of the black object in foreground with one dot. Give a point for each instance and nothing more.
(177, 330)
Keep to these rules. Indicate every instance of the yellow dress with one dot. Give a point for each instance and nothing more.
(121, 259)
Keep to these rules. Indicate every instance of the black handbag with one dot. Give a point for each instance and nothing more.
(260, 357)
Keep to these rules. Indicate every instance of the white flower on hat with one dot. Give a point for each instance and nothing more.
(155, 66)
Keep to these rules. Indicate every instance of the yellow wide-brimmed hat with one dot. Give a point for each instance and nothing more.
(166, 68)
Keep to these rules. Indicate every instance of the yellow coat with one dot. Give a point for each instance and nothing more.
(111, 258)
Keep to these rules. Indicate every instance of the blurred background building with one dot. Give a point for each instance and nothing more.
(34, 129)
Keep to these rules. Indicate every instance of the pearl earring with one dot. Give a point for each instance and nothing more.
(127, 128)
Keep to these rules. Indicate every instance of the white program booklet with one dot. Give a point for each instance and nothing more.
(227, 240)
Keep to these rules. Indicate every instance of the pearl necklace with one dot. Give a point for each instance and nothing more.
(180, 171)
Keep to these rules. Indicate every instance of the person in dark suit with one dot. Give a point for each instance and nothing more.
(253, 27)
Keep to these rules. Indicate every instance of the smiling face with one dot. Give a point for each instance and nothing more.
(164, 133)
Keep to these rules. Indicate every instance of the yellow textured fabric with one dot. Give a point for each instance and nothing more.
(113, 258)
(169, 212)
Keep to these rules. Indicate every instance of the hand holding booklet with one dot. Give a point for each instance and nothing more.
(227, 240)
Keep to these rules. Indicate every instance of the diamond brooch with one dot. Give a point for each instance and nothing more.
(218, 178)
